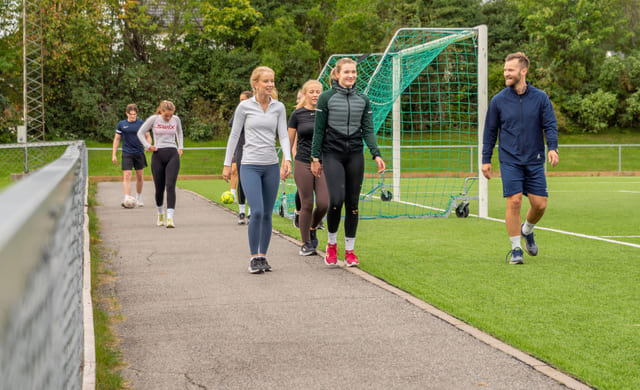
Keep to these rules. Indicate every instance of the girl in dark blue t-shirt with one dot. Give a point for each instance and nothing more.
(132, 152)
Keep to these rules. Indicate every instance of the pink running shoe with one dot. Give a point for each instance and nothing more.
(350, 259)
(331, 257)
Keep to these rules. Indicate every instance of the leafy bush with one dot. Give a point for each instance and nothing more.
(593, 111)
(633, 107)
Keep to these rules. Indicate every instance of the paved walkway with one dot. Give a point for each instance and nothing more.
(194, 318)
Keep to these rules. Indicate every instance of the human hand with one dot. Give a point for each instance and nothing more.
(380, 162)
(553, 157)
(114, 159)
(487, 170)
(285, 169)
(180, 152)
(316, 168)
(226, 173)
(152, 148)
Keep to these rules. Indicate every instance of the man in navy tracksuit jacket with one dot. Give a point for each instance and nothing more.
(522, 117)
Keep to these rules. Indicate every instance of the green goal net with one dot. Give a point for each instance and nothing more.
(427, 110)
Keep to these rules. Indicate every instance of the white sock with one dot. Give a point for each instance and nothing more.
(160, 209)
(349, 243)
(527, 228)
(233, 191)
(332, 238)
(241, 208)
(515, 242)
(170, 213)
(138, 196)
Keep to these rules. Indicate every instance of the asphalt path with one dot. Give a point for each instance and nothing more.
(194, 318)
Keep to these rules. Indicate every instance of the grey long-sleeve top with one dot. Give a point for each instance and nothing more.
(260, 129)
(164, 133)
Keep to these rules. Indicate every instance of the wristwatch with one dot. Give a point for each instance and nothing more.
(556, 150)
(315, 159)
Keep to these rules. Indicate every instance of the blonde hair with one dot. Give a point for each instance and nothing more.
(522, 58)
(304, 89)
(338, 67)
(166, 105)
(255, 76)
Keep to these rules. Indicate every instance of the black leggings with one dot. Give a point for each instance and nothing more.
(165, 165)
(344, 174)
(241, 198)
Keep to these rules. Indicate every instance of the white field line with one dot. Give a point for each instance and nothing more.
(593, 192)
(577, 234)
(602, 238)
(597, 238)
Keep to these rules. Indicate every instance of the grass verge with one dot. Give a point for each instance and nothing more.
(108, 361)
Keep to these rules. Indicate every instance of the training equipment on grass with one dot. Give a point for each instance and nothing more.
(285, 200)
(227, 197)
(428, 92)
(129, 202)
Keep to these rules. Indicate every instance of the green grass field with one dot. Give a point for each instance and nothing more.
(575, 306)
(193, 162)
(209, 162)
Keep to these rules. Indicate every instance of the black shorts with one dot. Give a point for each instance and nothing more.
(133, 161)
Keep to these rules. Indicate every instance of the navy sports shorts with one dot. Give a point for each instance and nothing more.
(528, 179)
(133, 161)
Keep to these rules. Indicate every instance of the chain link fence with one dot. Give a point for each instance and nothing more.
(41, 272)
(19, 159)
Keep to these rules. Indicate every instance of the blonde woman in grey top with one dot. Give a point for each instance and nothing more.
(165, 160)
(263, 117)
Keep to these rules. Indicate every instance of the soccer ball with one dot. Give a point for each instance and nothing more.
(129, 202)
(227, 197)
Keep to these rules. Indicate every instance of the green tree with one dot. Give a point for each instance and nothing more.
(504, 26)
(282, 47)
(231, 23)
(569, 39)
(357, 28)
(568, 42)
(455, 13)
(10, 70)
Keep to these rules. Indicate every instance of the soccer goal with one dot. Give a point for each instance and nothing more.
(428, 92)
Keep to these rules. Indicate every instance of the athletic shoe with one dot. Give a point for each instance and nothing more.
(170, 223)
(516, 256)
(296, 220)
(241, 220)
(314, 238)
(160, 221)
(255, 265)
(331, 257)
(350, 259)
(140, 203)
(529, 243)
(265, 265)
(307, 249)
